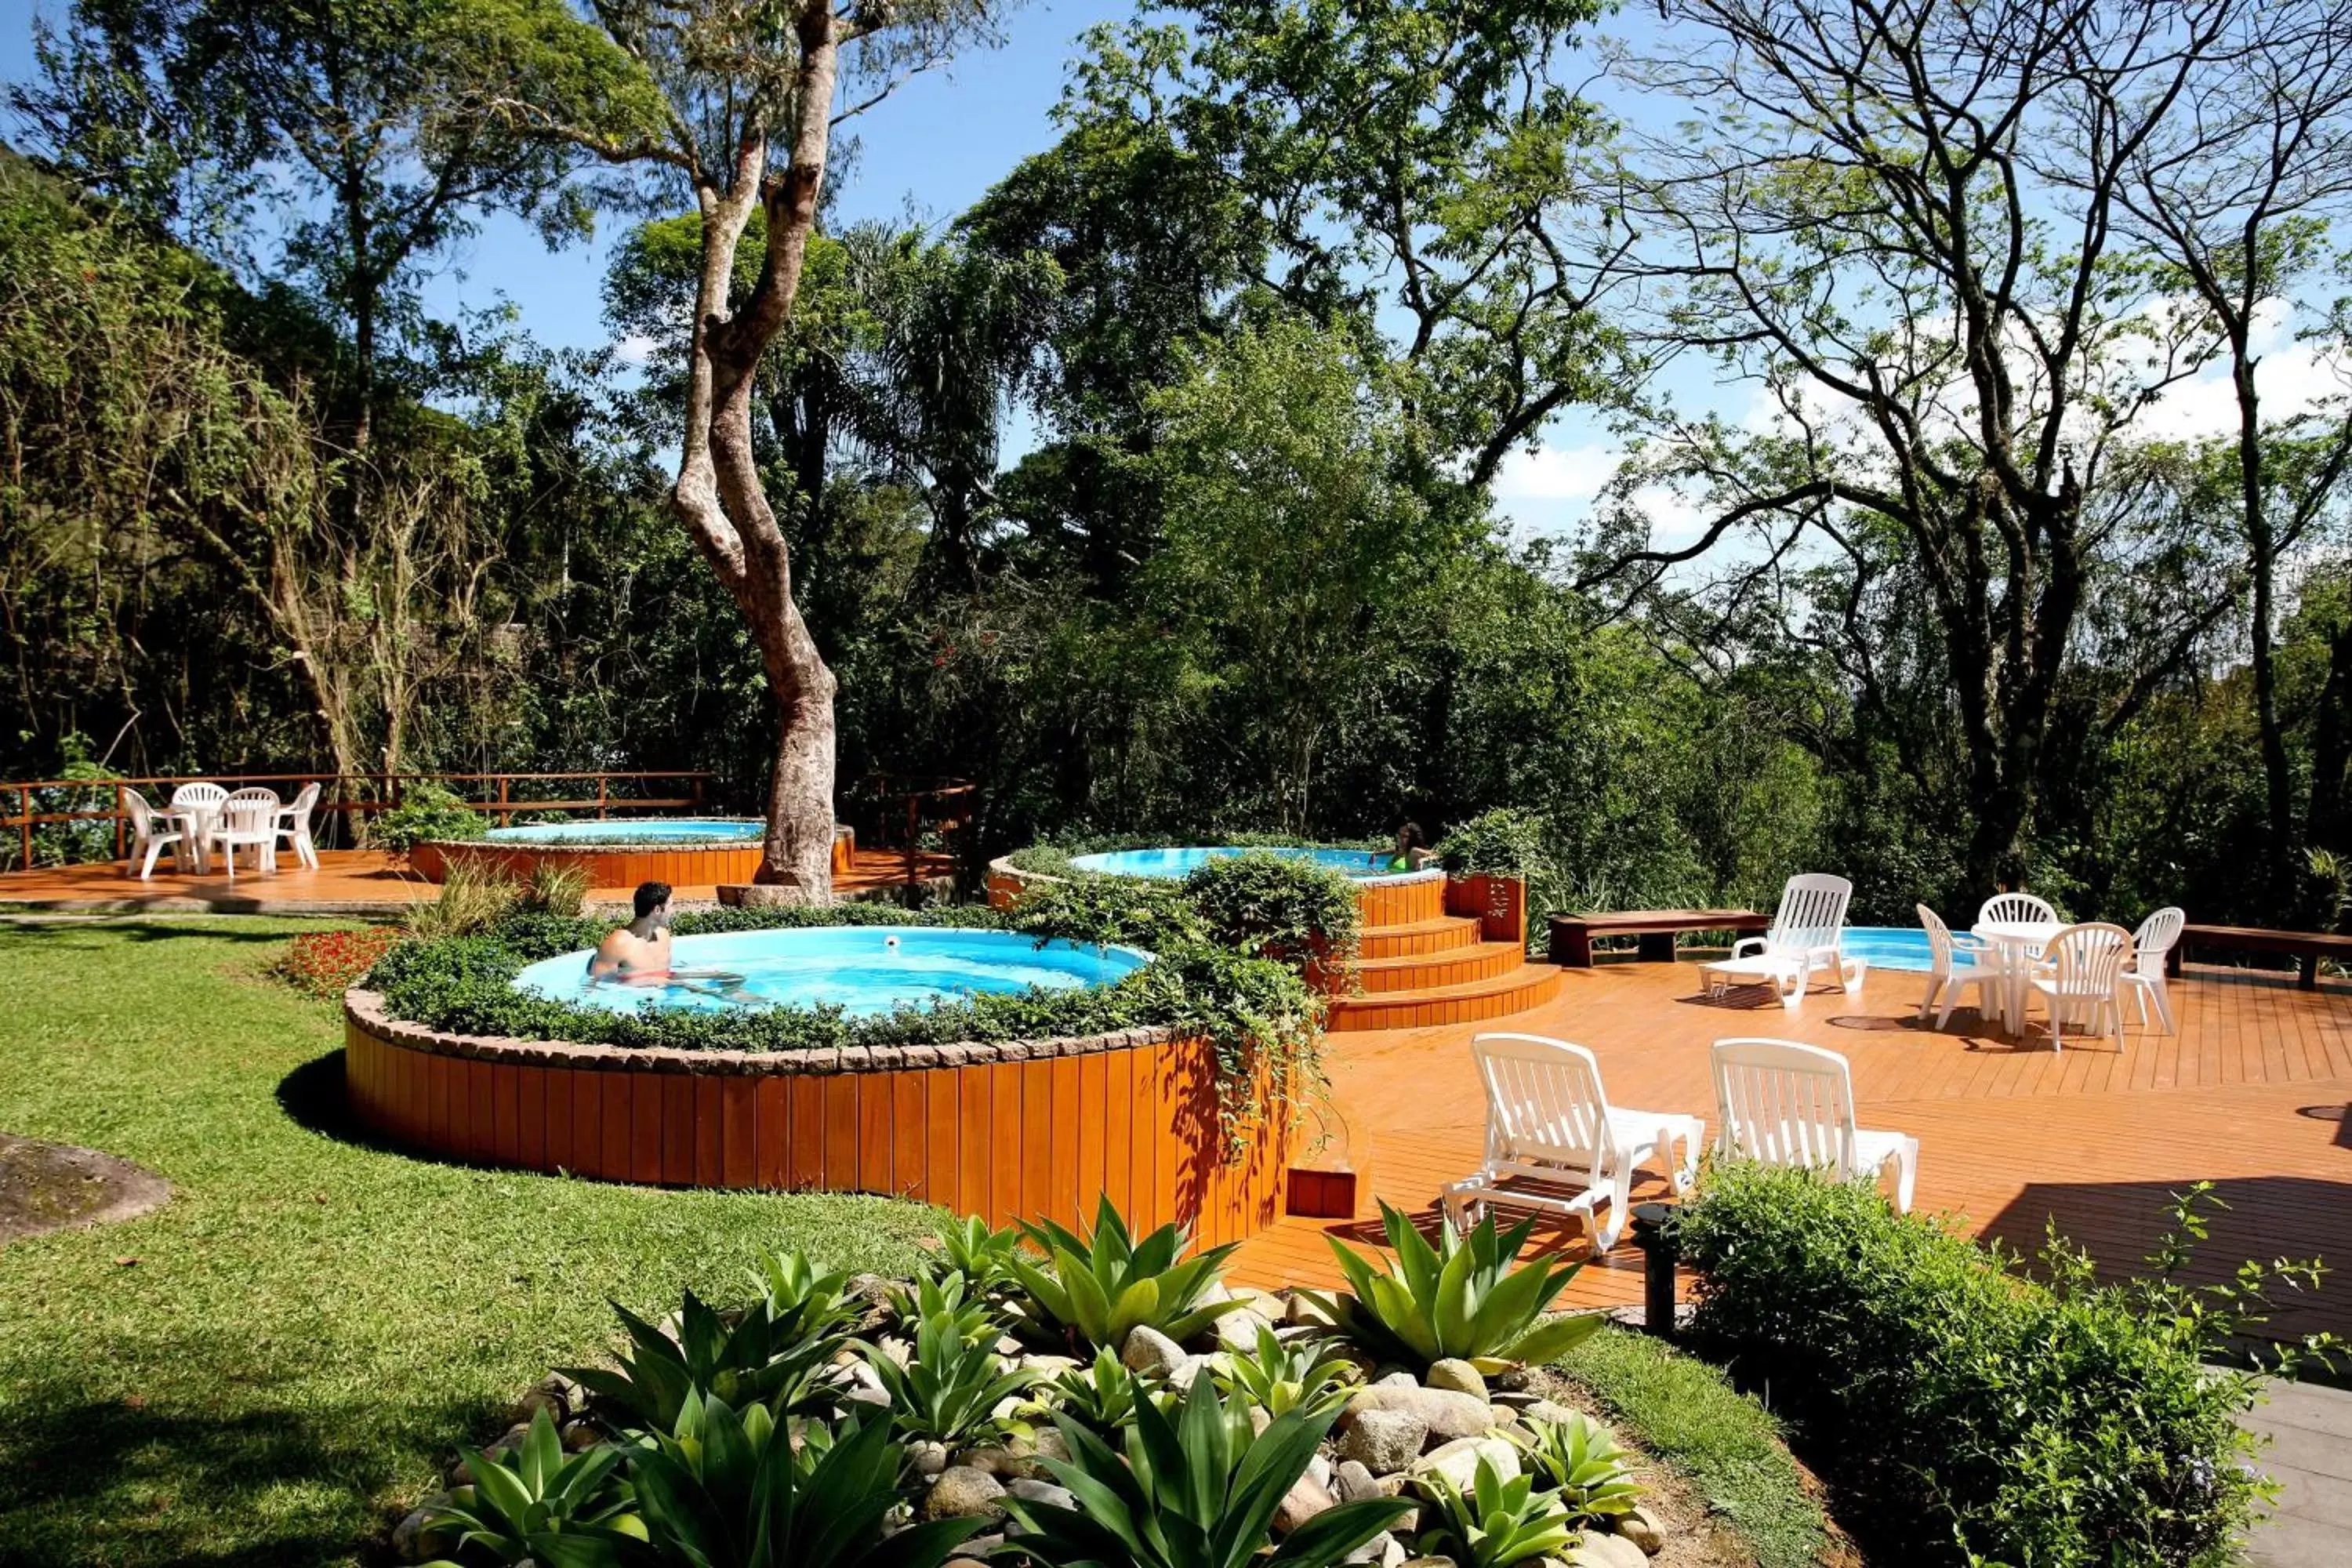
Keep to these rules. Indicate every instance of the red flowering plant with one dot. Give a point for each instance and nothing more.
(328, 962)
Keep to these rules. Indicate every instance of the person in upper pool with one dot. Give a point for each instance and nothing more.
(1412, 850)
(638, 954)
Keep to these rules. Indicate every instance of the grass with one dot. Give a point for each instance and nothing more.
(1686, 1413)
(276, 1364)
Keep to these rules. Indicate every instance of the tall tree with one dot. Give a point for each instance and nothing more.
(737, 106)
(1948, 344)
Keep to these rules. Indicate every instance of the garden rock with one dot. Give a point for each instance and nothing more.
(1446, 1413)
(1457, 1375)
(1302, 1503)
(1307, 1312)
(1319, 1467)
(1149, 1351)
(411, 1541)
(1239, 1330)
(1355, 1483)
(1549, 1413)
(1382, 1441)
(1381, 1550)
(1048, 1366)
(1601, 1550)
(556, 1394)
(580, 1437)
(927, 1459)
(1395, 1377)
(1043, 1492)
(1504, 1414)
(1458, 1461)
(964, 1492)
(1428, 1563)
(1641, 1527)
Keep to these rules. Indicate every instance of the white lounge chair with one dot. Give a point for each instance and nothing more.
(149, 835)
(294, 825)
(1548, 1119)
(247, 819)
(2082, 975)
(202, 803)
(1805, 939)
(2152, 947)
(1787, 1104)
(2017, 908)
(1956, 967)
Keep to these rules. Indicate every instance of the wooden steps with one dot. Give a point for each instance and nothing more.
(1417, 965)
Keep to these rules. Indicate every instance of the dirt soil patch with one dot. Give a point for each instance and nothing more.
(55, 1186)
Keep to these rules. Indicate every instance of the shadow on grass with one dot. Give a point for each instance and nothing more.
(315, 1096)
(263, 1485)
(59, 932)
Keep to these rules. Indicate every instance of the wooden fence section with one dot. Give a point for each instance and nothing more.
(1005, 1139)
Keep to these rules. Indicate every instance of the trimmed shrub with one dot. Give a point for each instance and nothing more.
(427, 810)
(1266, 906)
(1974, 1415)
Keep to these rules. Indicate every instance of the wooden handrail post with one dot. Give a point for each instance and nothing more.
(25, 827)
(914, 831)
(118, 821)
(603, 783)
(505, 817)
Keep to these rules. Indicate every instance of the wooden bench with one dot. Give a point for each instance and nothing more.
(1572, 935)
(2308, 947)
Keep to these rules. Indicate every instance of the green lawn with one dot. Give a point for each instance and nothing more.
(273, 1365)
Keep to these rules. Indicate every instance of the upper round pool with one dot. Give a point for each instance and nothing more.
(643, 830)
(1889, 947)
(1358, 863)
(862, 970)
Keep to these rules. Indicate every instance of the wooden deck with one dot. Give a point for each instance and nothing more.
(347, 882)
(2250, 1095)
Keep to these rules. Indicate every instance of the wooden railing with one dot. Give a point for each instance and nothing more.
(903, 801)
(343, 796)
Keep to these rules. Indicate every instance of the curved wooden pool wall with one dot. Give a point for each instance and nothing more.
(613, 864)
(1022, 1129)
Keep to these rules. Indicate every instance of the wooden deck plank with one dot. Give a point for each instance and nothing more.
(2014, 1134)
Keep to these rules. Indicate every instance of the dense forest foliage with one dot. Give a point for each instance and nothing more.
(1271, 319)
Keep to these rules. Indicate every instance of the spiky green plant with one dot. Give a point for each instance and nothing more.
(726, 1489)
(1102, 1398)
(1199, 1491)
(1097, 1289)
(798, 1299)
(1460, 1300)
(1496, 1523)
(538, 1503)
(1581, 1463)
(1281, 1375)
(752, 1356)
(980, 1258)
(951, 1387)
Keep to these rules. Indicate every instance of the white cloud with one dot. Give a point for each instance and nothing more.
(636, 348)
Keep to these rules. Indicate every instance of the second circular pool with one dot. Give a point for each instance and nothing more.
(1361, 864)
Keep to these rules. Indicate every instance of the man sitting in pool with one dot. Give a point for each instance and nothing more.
(638, 954)
(1412, 850)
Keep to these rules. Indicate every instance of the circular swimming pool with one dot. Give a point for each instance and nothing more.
(1361, 864)
(1890, 947)
(643, 830)
(862, 970)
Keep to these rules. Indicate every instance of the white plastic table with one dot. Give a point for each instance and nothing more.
(2013, 946)
(194, 823)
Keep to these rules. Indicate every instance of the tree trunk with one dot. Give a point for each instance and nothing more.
(2262, 553)
(2331, 743)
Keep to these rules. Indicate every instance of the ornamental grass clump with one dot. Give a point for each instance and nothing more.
(1461, 1300)
(1975, 1415)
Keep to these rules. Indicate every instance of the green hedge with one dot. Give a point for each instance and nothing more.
(1972, 1415)
(1053, 858)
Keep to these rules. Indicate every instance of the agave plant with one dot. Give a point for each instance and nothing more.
(1198, 1491)
(1496, 1523)
(1583, 1465)
(1461, 1299)
(1281, 1376)
(1103, 1397)
(540, 1504)
(726, 1490)
(980, 1258)
(944, 1296)
(753, 1356)
(953, 1384)
(798, 1299)
(1098, 1289)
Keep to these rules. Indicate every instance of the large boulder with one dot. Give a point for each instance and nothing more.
(1148, 1351)
(1458, 1461)
(1384, 1441)
(1446, 1413)
(963, 1492)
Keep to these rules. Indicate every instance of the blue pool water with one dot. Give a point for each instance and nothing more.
(1890, 947)
(643, 830)
(860, 969)
(1183, 862)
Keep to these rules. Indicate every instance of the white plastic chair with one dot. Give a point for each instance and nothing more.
(1548, 1119)
(1783, 1104)
(248, 820)
(294, 825)
(2082, 972)
(149, 836)
(1956, 967)
(202, 803)
(2152, 947)
(2016, 909)
(1806, 937)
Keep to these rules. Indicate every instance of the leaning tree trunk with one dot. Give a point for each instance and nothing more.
(719, 496)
